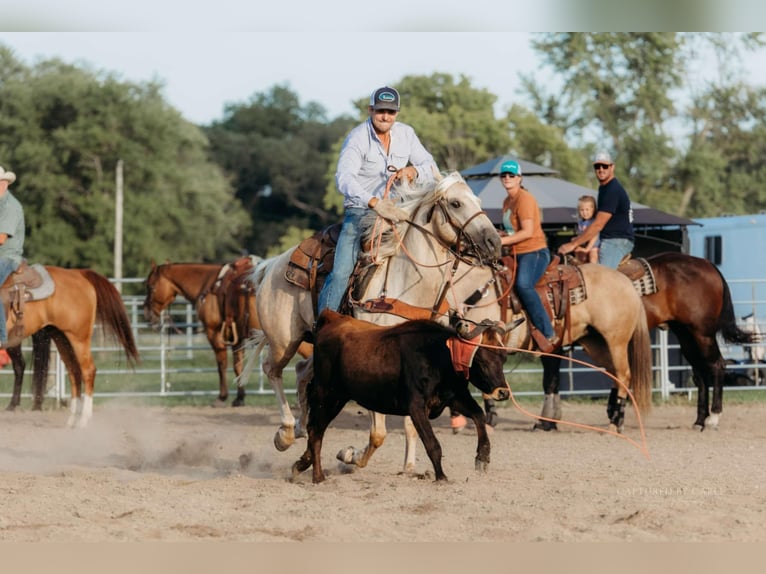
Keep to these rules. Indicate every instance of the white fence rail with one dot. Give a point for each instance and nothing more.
(178, 361)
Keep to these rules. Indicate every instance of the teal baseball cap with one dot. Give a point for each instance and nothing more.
(510, 166)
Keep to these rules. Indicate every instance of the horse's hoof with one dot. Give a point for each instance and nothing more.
(218, 403)
(481, 465)
(281, 441)
(712, 421)
(238, 403)
(545, 426)
(346, 455)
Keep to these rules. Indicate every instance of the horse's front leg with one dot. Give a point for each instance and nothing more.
(351, 455)
(410, 443)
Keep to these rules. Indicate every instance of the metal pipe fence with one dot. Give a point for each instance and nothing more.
(177, 360)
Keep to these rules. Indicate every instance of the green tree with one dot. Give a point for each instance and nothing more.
(278, 152)
(621, 91)
(64, 128)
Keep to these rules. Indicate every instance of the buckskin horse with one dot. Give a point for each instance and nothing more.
(200, 283)
(412, 267)
(693, 300)
(66, 312)
(415, 369)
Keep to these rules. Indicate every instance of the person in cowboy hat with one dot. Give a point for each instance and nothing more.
(11, 239)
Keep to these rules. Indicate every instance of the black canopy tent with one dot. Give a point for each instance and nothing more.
(655, 230)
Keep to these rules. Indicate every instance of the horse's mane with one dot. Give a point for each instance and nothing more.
(414, 198)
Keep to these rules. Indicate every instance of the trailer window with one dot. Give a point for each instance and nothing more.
(713, 249)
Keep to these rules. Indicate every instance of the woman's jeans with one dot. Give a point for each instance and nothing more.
(346, 253)
(529, 268)
(612, 251)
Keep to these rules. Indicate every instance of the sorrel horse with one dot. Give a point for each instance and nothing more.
(195, 282)
(693, 301)
(81, 298)
(411, 266)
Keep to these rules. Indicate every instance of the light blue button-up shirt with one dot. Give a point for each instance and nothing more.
(12, 224)
(363, 164)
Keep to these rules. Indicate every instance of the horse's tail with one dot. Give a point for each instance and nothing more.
(727, 322)
(111, 313)
(252, 348)
(260, 270)
(640, 361)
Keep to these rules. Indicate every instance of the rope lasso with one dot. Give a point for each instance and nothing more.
(642, 447)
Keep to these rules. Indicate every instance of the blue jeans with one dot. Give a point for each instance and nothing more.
(7, 266)
(611, 251)
(529, 268)
(346, 253)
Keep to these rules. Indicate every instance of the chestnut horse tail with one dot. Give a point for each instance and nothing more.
(111, 313)
(727, 322)
(640, 361)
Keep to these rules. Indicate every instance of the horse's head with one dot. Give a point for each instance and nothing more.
(160, 292)
(458, 220)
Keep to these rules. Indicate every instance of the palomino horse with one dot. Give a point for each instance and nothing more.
(694, 302)
(195, 282)
(411, 267)
(81, 298)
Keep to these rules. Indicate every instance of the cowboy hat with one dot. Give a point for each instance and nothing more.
(8, 176)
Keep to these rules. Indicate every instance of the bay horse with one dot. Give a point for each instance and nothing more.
(411, 266)
(81, 299)
(195, 282)
(693, 301)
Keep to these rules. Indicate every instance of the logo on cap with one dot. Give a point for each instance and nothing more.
(386, 97)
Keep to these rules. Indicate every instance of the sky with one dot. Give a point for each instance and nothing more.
(200, 77)
(203, 72)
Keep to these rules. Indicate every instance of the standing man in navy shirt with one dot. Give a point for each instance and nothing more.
(614, 219)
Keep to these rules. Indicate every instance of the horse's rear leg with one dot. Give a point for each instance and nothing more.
(285, 435)
(19, 365)
(221, 360)
(351, 455)
(238, 357)
(551, 401)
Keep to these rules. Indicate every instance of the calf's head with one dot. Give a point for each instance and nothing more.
(486, 371)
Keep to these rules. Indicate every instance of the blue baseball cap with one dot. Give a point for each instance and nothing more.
(510, 166)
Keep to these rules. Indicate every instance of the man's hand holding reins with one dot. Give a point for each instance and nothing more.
(387, 209)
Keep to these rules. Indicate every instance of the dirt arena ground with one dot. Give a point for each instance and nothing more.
(146, 473)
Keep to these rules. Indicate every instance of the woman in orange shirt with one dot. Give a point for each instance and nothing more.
(524, 234)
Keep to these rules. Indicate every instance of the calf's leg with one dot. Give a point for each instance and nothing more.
(465, 403)
(426, 434)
